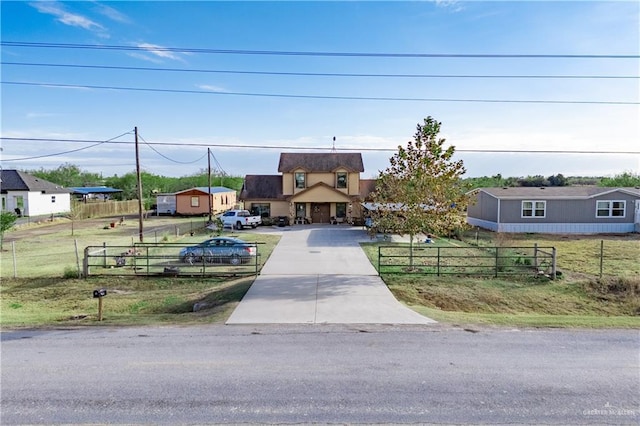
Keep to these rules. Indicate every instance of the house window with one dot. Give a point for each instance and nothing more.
(53, 198)
(534, 209)
(300, 180)
(341, 209)
(261, 209)
(195, 201)
(341, 180)
(610, 208)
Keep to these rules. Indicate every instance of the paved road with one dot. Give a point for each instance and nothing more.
(433, 374)
(319, 274)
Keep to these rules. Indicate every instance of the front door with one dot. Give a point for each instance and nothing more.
(320, 212)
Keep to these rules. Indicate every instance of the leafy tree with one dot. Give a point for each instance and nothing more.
(557, 180)
(537, 180)
(68, 175)
(7, 220)
(421, 191)
(623, 180)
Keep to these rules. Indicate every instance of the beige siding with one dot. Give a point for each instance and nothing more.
(287, 183)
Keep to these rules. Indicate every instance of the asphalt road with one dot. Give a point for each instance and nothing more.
(320, 374)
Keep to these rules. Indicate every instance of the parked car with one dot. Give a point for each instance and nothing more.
(239, 219)
(219, 250)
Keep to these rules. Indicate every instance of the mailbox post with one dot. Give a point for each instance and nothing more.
(99, 294)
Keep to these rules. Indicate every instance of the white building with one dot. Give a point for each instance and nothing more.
(28, 195)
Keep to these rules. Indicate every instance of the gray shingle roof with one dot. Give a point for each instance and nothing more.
(555, 191)
(262, 187)
(320, 162)
(15, 180)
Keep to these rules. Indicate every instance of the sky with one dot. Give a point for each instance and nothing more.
(521, 88)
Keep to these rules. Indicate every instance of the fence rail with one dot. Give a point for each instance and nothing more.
(475, 261)
(163, 259)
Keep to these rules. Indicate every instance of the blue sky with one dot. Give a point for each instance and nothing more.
(181, 113)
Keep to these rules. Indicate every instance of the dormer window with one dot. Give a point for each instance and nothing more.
(300, 180)
(341, 180)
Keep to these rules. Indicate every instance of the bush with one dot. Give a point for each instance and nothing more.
(71, 272)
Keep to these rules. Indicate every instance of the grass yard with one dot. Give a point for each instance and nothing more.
(42, 296)
(579, 299)
(32, 302)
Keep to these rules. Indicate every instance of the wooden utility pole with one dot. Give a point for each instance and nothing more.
(140, 212)
(209, 181)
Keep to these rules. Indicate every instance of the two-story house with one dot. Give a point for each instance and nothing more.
(311, 188)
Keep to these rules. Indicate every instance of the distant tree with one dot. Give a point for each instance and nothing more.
(68, 175)
(557, 180)
(623, 180)
(421, 191)
(7, 220)
(489, 182)
(537, 180)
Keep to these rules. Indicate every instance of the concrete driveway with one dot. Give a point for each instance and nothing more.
(319, 274)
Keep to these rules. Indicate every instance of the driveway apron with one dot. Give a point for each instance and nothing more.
(319, 274)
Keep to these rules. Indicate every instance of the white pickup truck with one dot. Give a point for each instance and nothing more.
(239, 219)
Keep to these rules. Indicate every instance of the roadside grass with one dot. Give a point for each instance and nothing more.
(578, 299)
(35, 302)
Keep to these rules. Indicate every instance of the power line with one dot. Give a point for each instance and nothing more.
(306, 53)
(291, 96)
(167, 158)
(318, 74)
(97, 143)
(323, 148)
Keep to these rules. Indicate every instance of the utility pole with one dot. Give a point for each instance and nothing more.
(140, 213)
(209, 175)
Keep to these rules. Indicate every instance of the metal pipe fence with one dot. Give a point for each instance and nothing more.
(164, 259)
(470, 261)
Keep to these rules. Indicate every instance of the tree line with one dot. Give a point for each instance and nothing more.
(70, 175)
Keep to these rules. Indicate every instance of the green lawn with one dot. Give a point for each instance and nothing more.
(579, 298)
(41, 296)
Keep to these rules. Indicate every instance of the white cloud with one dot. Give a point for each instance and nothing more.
(72, 19)
(112, 14)
(212, 88)
(453, 5)
(159, 51)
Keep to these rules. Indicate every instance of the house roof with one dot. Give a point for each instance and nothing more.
(211, 190)
(367, 186)
(86, 190)
(558, 192)
(320, 162)
(262, 187)
(15, 180)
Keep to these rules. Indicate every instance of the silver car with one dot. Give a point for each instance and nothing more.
(219, 250)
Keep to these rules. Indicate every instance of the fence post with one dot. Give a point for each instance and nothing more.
(553, 263)
(438, 263)
(379, 256)
(601, 257)
(15, 264)
(85, 263)
(104, 254)
(535, 256)
(496, 274)
(75, 242)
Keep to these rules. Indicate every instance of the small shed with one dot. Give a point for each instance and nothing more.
(196, 201)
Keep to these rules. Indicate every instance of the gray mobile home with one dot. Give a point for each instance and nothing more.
(556, 210)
